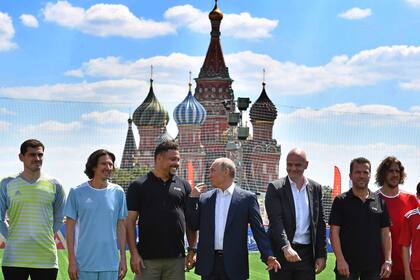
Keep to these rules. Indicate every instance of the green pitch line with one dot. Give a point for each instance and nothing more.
(257, 268)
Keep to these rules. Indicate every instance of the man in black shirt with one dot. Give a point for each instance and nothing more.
(158, 200)
(359, 224)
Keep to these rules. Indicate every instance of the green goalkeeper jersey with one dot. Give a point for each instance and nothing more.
(35, 213)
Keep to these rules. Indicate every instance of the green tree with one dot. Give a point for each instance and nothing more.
(124, 176)
(327, 201)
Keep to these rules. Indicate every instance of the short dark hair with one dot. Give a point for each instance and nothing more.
(359, 160)
(30, 143)
(166, 146)
(418, 188)
(93, 159)
(384, 167)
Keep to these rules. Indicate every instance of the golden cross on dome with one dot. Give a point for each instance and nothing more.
(263, 76)
(189, 84)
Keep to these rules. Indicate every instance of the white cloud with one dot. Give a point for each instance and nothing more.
(74, 73)
(415, 109)
(4, 125)
(167, 68)
(412, 85)
(7, 32)
(106, 117)
(243, 25)
(356, 13)
(105, 20)
(108, 91)
(29, 21)
(129, 93)
(352, 114)
(5, 111)
(126, 81)
(52, 126)
(414, 3)
(368, 67)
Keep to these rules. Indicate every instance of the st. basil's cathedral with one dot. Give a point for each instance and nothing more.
(203, 127)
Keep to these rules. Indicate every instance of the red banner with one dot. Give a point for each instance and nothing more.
(190, 174)
(337, 182)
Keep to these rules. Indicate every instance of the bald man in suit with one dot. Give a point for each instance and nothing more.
(297, 228)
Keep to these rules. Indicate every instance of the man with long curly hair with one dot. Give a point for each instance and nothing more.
(389, 176)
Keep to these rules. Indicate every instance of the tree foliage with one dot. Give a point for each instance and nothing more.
(124, 176)
(327, 201)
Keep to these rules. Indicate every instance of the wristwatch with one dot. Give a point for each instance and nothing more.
(192, 249)
(388, 262)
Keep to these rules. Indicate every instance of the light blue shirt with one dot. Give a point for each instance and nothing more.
(96, 212)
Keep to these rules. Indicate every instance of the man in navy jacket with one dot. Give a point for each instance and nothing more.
(222, 216)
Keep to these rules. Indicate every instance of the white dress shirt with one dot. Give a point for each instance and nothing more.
(221, 210)
(301, 201)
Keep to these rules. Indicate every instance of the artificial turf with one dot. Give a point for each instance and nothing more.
(257, 268)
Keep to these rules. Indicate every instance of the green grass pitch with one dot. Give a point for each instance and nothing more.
(257, 268)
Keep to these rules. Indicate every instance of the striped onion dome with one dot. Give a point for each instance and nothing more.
(151, 112)
(263, 109)
(189, 111)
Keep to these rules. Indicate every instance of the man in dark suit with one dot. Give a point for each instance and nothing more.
(222, 216)
(297, 227)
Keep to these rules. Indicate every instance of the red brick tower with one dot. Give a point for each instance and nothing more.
(129, 158)
(213, 90)
(261, 153)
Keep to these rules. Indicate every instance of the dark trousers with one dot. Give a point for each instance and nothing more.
(219, 272)
(359, 275)
(22, 273)
(302, 270)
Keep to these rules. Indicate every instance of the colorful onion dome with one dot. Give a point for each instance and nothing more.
(189, 111)
(263, 109)
(150, 112)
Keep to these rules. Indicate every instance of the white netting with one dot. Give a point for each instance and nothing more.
(72, 130)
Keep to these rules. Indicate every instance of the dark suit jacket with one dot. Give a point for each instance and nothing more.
(280, 209)
(243, 209)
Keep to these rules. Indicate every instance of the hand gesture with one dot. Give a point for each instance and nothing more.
(343, 268)
(190, 260)
(319, 265)
(290, 254)
(136, 263)
(73, 270)
(122, 269)
(198, 189)
(385, 270)
(272, 263)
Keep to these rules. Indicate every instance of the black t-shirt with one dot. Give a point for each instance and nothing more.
(360, 229)
(161, 207)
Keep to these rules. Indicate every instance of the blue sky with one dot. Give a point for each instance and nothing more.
(344, 75)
